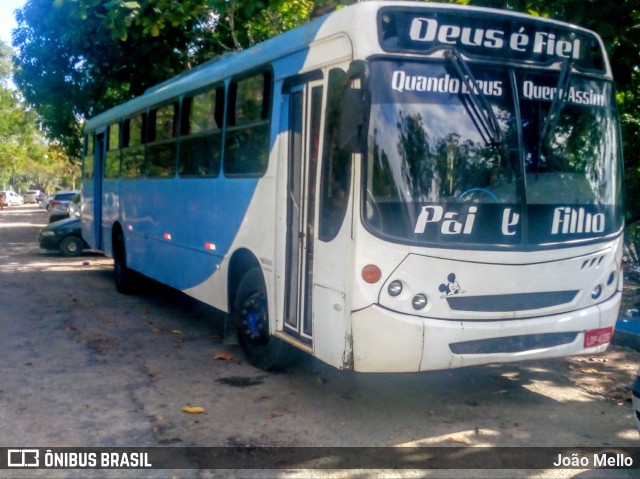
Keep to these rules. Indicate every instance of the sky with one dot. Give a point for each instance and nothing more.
(7, 18)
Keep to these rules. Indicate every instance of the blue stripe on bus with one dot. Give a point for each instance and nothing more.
(187, 247)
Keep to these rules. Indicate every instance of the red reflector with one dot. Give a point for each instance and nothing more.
(371, 273)
(596, 337)
(167, 236)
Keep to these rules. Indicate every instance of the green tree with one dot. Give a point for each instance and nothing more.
(69, 66)
(20, 140)
(629, 107)
(77, 58)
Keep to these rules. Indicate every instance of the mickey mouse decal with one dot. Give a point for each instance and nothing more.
(452, 287)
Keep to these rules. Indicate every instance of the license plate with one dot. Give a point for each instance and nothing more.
(596, 337)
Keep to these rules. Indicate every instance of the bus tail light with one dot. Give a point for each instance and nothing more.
(371, 274)
(597, 337)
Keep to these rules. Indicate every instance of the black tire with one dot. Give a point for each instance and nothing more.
(71, 246)
(251, 319)
(125, 279)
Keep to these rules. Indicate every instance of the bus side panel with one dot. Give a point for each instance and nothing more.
(253, 231)
(178, 231)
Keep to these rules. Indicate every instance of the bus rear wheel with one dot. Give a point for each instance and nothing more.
(251, 319)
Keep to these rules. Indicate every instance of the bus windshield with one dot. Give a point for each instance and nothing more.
(490, 155)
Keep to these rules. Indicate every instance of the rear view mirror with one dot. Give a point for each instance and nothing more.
(352, 120)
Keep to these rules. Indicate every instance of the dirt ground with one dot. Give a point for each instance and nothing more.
(81, 365)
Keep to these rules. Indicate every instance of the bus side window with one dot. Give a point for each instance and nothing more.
(87, 165)
(112, 160)
(247, 138)
(133, 147)
(201, 135)
(336, 163)
(162, 147)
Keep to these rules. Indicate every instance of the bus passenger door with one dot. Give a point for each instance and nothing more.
(318, 222)
(305, 104)
(333, 246)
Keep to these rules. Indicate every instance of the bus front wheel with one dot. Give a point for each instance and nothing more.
(251, 319)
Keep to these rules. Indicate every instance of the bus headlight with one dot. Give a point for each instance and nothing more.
(597, 291)
(419, 301)
(395, 288)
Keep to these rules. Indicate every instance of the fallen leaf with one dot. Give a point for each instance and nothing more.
(595, 360)
(192, 409)
(223, 357)
(176, 331)
(589, 371)
(457, 439)
(156, 330)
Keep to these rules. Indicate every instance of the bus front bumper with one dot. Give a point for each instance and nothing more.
(387, 341)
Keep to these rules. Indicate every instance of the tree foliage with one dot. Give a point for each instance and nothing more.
(77, 58)
(21, 145)
(629, 107)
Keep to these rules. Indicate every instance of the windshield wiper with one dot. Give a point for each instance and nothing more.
(559, 100)
(480, 110)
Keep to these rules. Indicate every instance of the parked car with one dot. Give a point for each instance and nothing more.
(32, 196)
(11, 198)
(44, 201)
(64, 235)
(59, 205)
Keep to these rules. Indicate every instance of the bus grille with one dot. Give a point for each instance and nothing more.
(511, 302)
(513, 344)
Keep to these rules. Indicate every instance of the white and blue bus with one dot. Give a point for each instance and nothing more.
(393, 187)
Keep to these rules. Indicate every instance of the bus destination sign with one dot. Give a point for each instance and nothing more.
(479, 34)
(503, 224)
